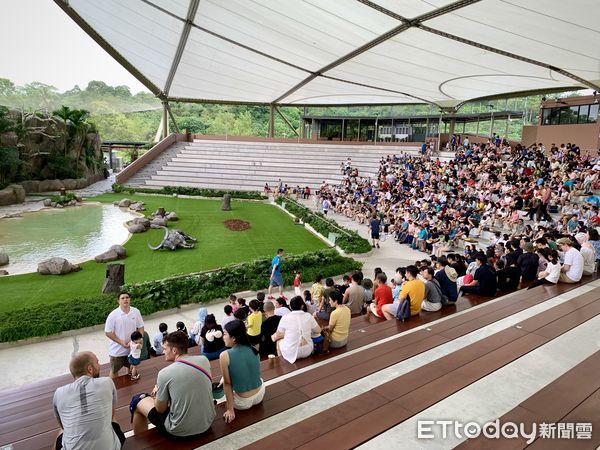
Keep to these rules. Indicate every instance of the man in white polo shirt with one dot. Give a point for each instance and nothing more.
(120, 323)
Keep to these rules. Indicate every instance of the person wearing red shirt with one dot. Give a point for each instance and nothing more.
(382, 296)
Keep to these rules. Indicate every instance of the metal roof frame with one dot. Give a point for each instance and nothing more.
(405, 24)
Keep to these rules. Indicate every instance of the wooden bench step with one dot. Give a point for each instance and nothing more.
(421, 388)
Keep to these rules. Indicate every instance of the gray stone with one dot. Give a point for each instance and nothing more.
(138, 206)
(4, 259)
(124, 203)
(141, 221)
(112, 254)
(51, 185)
(58, 205)
(172, 216)
(19, 192)
(226, 206)
(47, 202)
(53, 204)
(159, 222)
(30, 186)
(7, 197)
(136, 228)
(81, 183)
(3, 272)
(70, 184)
(56, 266)
(121, 252)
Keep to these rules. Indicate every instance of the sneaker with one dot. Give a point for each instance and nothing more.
(135, 377)
(378, 246)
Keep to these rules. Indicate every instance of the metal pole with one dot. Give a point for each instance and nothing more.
(376, 123)
(165, 124)
(506, 132)
(271, 121)
(439, 143)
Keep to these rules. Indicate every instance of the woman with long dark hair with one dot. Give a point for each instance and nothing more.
(212, 338)
(240, 366)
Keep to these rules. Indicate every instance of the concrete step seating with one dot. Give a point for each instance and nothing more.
(249, 165)
(28, 422)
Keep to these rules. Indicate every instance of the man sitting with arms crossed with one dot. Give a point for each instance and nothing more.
(85, 408)
(181, 403)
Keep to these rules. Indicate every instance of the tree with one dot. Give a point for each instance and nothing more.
(7, 87)
(64, 113)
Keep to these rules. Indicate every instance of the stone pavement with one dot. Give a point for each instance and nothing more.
(53, 355)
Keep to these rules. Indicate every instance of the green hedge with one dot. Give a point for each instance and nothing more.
(182, 190)
(172, 292)
(350, 243)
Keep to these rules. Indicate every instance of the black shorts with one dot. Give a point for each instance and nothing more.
(374, 235)
(158, 420)
(115, 426)
(254, 340)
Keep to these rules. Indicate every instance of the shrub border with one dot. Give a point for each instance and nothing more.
(182, 190)
(173, 292)
(350, 241)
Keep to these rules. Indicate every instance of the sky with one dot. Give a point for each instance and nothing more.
(39, 42)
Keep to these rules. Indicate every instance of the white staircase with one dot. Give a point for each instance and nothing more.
(237, 165)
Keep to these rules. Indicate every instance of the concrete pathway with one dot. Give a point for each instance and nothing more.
(53, 355)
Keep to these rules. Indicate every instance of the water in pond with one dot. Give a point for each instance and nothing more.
(77, 233)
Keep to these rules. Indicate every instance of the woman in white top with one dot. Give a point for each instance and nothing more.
(552, 272)
(294, 332)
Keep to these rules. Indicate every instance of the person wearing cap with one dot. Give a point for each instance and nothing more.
(572, 269)
(528, 261)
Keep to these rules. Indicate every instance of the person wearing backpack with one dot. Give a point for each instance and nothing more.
(433, 292)
(412, 294)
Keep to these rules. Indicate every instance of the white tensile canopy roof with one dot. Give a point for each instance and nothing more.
(328, 52)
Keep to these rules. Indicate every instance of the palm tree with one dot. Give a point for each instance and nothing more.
(64, 113)
(79, 122)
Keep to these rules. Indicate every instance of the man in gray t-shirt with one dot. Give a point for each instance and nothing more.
(183, 404)
(84, 408)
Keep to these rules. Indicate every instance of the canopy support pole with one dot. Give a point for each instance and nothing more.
(287, 121)
(271, 120)
(173, 118)
(165, 120)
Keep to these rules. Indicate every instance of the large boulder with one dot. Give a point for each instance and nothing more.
(3, 272)
(136, 228)
(124, 203)
(7, 196)
(158, 222)
(56, 266)
(31, 186)
(81, 183)
(70, 184)
(4, 260)
(141, 221)
(19, 192)
(137, 206)
(51, 185)
(112, 254)
(47, 202)
(172, 216)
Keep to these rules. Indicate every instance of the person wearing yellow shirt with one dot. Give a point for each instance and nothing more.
(317, 291)
(254, 320)
(336, 333)
(414, 289)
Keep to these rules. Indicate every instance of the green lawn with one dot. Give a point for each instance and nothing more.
(203, 219)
